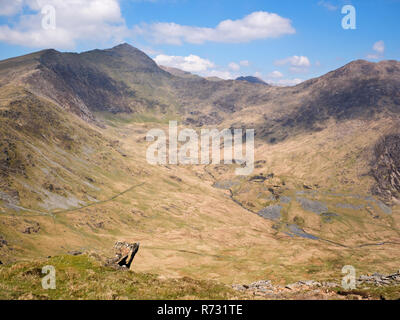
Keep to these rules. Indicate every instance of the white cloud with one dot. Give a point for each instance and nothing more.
(10, 7)
(194, 64)
(219, 74)
(76, 20)
(295, 61)
(379, 48)
(275, 78)
(234, 66)
(255, 26)
(284, 82)
(191, 63)
(297, 64)
(327, 5)
(244, 63)
(148, 50)
(275, 74)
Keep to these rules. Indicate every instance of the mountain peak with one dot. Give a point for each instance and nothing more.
(123, 46)
(251, 79)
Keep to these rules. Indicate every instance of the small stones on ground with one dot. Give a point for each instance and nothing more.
(292, 286)
(268, 290)
(3, 242)
(258, 178)
(35, 228)
(313, 289)
(75, 253)
(380, 279)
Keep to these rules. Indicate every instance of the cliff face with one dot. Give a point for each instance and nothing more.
(386, 169)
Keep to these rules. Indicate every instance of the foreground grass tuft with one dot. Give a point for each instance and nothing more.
(82, 277)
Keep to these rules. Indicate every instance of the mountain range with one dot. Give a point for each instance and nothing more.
(325, 192)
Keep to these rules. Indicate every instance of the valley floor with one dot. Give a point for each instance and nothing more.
(285, 223)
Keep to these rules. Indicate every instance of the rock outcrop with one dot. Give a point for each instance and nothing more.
(386, 168)
(378, 279)
(124, 254)
(3, 242)
(309, 288)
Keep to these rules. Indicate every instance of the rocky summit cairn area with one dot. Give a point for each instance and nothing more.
(378, 279)
(310, 289)
(124, 254)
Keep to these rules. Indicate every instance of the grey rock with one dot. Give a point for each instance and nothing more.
(297, 231)
(75, 253)
(330, 284)
(349, 206)
(293, 286)
(386, 209)
(3, 242)
(312, 205)
(124, 254)
(272, 212)
(225, 184)
(285, 200)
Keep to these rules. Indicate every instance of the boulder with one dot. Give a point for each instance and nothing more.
(75, 253)
(34, 228)
(124, 254)
(3, 242)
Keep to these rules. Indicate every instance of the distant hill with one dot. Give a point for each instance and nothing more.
(251, 79)
(179, 73)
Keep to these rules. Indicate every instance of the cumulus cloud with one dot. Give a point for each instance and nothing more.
(244, 63)
(76, 20)
(255, 26)
(275, 74)
(194, 64)
(379, 47)
(275, 78)
(297, 64)
(226, 75)
(284, 82)
(296, 61)
(327, 5)
(191, 63)
(234, 66)
(10, 7)
(379, 50)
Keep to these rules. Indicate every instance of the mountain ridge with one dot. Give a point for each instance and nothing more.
(74, 172)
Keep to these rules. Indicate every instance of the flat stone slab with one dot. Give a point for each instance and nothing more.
(272, 212)
(297, 231)
(312, 205)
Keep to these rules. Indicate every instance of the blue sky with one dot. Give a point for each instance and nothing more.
(281, 41)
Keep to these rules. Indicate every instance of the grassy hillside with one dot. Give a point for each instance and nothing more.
(74, 174)
(84, 278)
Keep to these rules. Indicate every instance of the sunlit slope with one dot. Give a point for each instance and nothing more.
(74, 174)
